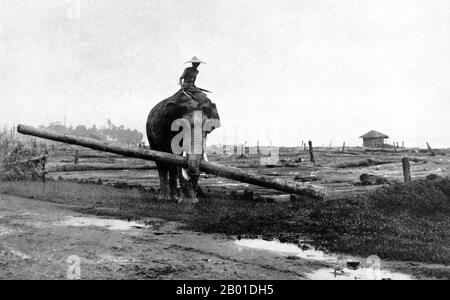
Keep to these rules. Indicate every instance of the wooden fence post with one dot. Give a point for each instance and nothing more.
(311, 152)
(430, 149)
(343, 148)
(406, 169)
(77, 154)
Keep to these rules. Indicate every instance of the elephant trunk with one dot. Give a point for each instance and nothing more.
(193, 168)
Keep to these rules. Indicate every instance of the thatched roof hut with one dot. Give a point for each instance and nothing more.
(374, 139)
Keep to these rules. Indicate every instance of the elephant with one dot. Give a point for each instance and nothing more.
(163, 131)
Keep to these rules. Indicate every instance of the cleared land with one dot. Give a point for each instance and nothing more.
(408, 226)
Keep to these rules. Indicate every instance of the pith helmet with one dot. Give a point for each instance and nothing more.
(195, 60)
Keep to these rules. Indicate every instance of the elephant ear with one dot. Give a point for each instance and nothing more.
(214, 112)
(209, 109)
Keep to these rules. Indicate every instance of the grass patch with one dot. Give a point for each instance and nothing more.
(401, 222)
(420, 198)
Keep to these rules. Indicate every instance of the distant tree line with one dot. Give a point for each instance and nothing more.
(111, 132)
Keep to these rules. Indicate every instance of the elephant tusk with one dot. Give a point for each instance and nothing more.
(184, 172)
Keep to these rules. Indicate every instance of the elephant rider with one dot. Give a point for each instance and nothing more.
(187, 79)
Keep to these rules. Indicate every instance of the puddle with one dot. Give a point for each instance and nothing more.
(15, 253)
(116, 263)
(363, 269)
(111, 224)
(26, 214)
(285, 248)
(20, 254)
(5, 231)
(114, 259)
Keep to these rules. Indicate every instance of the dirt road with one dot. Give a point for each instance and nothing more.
(37, 238)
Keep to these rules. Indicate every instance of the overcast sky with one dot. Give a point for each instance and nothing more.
(280, 70)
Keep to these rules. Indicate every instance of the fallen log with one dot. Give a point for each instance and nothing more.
(386, 150)
(303, 189)
(90, 168)
(363, 163)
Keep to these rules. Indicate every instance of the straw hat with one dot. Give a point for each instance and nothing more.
(195, 60)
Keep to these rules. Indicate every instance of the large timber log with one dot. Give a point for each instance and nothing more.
(302, 189)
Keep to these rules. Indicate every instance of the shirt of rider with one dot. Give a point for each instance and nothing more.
(189, 75)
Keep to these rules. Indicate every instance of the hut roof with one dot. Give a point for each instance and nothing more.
(374, 134)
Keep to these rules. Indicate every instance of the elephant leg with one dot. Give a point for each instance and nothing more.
(188, 194)
(173, 180)
(163, 172)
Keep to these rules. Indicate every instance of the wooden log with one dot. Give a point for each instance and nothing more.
(311, 152)
(363, 163)
(85, 168)
(384, 150)
(406, 169)
(307, 190)
(104, 146)
(430, 149)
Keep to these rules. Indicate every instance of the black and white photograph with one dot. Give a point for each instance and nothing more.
(224, 146)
